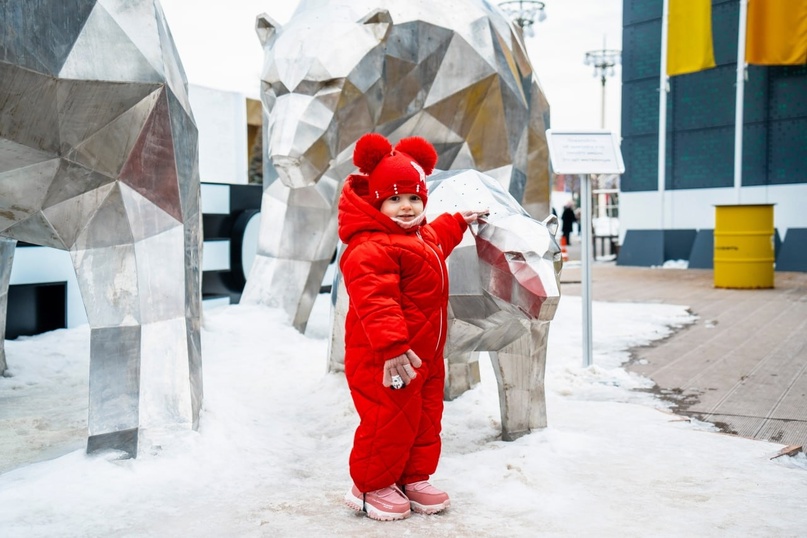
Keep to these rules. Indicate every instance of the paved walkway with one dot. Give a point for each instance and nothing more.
(742, 365)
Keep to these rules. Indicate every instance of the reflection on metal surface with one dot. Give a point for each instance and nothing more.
(6, 258)
(98, 156)
(504, 280)
(454, 72)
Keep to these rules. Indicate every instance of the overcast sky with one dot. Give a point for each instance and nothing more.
(219, 49)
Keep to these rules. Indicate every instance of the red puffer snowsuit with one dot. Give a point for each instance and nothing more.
(398, 287)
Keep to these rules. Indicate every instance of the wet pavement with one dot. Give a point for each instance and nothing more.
(742, 365)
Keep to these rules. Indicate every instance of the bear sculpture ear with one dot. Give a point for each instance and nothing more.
(551, 223)
(265, 27)
(380, 21)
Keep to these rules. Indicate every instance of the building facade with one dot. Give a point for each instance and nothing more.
(700, 132)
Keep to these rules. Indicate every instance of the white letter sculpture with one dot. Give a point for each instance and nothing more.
(98, 156)
(454, 72)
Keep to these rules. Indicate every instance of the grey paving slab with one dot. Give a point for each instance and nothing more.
(742, 365)
(770, 380)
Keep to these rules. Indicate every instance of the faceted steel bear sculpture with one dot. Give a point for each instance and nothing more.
(504, 289)
(454, 72)
(99, 156)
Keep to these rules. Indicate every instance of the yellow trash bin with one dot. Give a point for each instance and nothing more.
(744, 249)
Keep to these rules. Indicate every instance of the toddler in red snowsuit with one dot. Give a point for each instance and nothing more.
(396, 278)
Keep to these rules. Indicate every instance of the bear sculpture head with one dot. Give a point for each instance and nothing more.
(454, 72)
(506, 272)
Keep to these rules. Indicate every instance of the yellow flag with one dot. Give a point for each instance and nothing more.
(689, 37)
(776, 32)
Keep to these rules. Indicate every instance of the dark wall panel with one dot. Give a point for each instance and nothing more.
(36, 308)
(701, 111)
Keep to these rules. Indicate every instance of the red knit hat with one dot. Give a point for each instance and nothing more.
(398, 170)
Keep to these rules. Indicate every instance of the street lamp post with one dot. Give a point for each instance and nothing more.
(524, 13)
(603, 61)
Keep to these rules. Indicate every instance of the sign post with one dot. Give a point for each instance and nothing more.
(584, 153)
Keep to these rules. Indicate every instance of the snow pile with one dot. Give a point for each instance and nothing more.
(276, 430)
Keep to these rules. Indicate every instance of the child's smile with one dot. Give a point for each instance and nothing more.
(405, 207)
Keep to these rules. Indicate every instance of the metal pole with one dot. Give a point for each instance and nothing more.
(602, 108)
(585, 258)
(662, 111)
(738, 112)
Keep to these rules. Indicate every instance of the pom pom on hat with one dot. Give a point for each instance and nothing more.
(391, 171)
(421, 150)
(370, 149)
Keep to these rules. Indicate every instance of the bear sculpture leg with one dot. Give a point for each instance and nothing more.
(462, 373)
(145, 366)
(295, 247)
(6, 258)
(519, 369)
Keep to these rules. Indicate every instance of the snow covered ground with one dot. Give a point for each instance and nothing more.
(270, 457)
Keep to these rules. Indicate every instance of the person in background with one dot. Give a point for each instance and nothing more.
(396, 278)
(567, 219)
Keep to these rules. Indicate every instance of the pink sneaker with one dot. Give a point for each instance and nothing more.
(425, 498)
(385, 504)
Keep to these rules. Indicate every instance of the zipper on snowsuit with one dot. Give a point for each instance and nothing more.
(442, 285)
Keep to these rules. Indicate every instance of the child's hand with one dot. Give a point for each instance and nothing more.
(473, 216)
(399, 371)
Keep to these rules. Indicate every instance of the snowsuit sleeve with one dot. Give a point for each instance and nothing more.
(372, 278)
(449, 230)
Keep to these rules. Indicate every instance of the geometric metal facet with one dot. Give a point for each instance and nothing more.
(454, 72)
(7, 247)
(504, 291)
(99, 156)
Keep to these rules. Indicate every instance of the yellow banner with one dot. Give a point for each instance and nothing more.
(689, 37)
(776, 32)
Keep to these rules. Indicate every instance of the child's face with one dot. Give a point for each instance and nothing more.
(403, 206)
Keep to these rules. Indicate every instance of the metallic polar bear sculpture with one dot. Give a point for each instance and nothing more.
(454, 72)
(98, 156)
(504, 289)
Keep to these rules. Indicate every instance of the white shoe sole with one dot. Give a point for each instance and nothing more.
(429, 509)
(372, 512)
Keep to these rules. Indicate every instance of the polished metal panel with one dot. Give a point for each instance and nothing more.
(454, 72)
(516, 257)
(7, 247)
(504, 289)
(99, 156)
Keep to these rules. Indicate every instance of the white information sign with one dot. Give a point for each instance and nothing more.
(584, 152)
